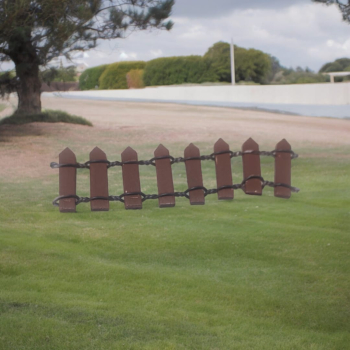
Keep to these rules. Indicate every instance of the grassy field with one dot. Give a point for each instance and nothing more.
(2, 107)
(252, 273)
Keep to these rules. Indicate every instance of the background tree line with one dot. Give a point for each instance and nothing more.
(251, 67)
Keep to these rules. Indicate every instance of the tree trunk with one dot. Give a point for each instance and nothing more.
(28, 89)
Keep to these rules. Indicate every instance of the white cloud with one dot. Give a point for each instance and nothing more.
(302, 34)
(156, 53)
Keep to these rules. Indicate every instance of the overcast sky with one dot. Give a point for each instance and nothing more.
(297, 32)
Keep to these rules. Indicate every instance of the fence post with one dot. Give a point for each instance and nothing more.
(164, 177)
(283, 169)
(194, 174)
(223, 170)
(251, 167)
(98, 181)
(131, 179)
(67, 181)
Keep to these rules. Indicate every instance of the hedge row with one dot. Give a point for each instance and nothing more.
(135, 79)
(178, 70)
(114, 77)
(214, 66)
(90, 77)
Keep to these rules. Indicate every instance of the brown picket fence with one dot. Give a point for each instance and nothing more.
(253, 183)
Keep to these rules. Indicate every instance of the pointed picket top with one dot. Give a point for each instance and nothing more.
(67, 150)
(67, 156)
(250, 145)
(129, 154)
(283, 145)
(161, 151)
(191, 151)
(221, 145)
(97, 153)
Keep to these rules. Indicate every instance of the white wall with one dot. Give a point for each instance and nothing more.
(307, 94)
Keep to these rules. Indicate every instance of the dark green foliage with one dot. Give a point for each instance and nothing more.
(8, 83)
(220, 58)
(178, 70)
(114, 76)
(298, 76)
(61, 74)
(33, 32)
(339, 65)
(344, 8)
(90, 77)
(46, 116)
(275, 68)
(250, 64)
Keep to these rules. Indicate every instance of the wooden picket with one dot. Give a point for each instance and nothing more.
(194, 174)
(98, 180)
(164, 177)
(131, 180)
(251, 167)
(67, 181)
(283, 169)
(223, 169)
(98, 164)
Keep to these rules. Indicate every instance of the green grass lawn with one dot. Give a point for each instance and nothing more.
(252, 273)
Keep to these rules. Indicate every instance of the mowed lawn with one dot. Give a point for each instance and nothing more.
(252, 273)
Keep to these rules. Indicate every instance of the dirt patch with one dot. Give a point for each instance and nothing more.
(27, 150)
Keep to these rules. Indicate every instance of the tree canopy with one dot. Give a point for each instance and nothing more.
(342, 5)
(250, 64)
(33, 32)
(339, 65)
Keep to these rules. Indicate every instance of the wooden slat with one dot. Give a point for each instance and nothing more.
(67, 181)
(164, 177)
(194, 175)
(98, 180)
(131, 180)
(223, 170)
(283, 169)
(251, 166)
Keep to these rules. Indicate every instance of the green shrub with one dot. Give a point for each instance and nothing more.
(46, 116)
(178, 70)
(135, 79)
(339, 65)
(250, 64)
(299, 76)
(90, 77)
(114, 77)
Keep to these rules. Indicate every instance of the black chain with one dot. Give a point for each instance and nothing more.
(173, 160)
(185, 194)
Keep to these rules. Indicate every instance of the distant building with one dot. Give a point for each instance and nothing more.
(337, 74)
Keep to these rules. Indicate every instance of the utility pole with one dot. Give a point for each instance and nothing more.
(233, 77)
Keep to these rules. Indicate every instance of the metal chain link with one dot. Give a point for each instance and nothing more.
(185, 194)
(173, 160)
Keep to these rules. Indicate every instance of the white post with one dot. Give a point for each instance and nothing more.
(332, 78)
(233, 77)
